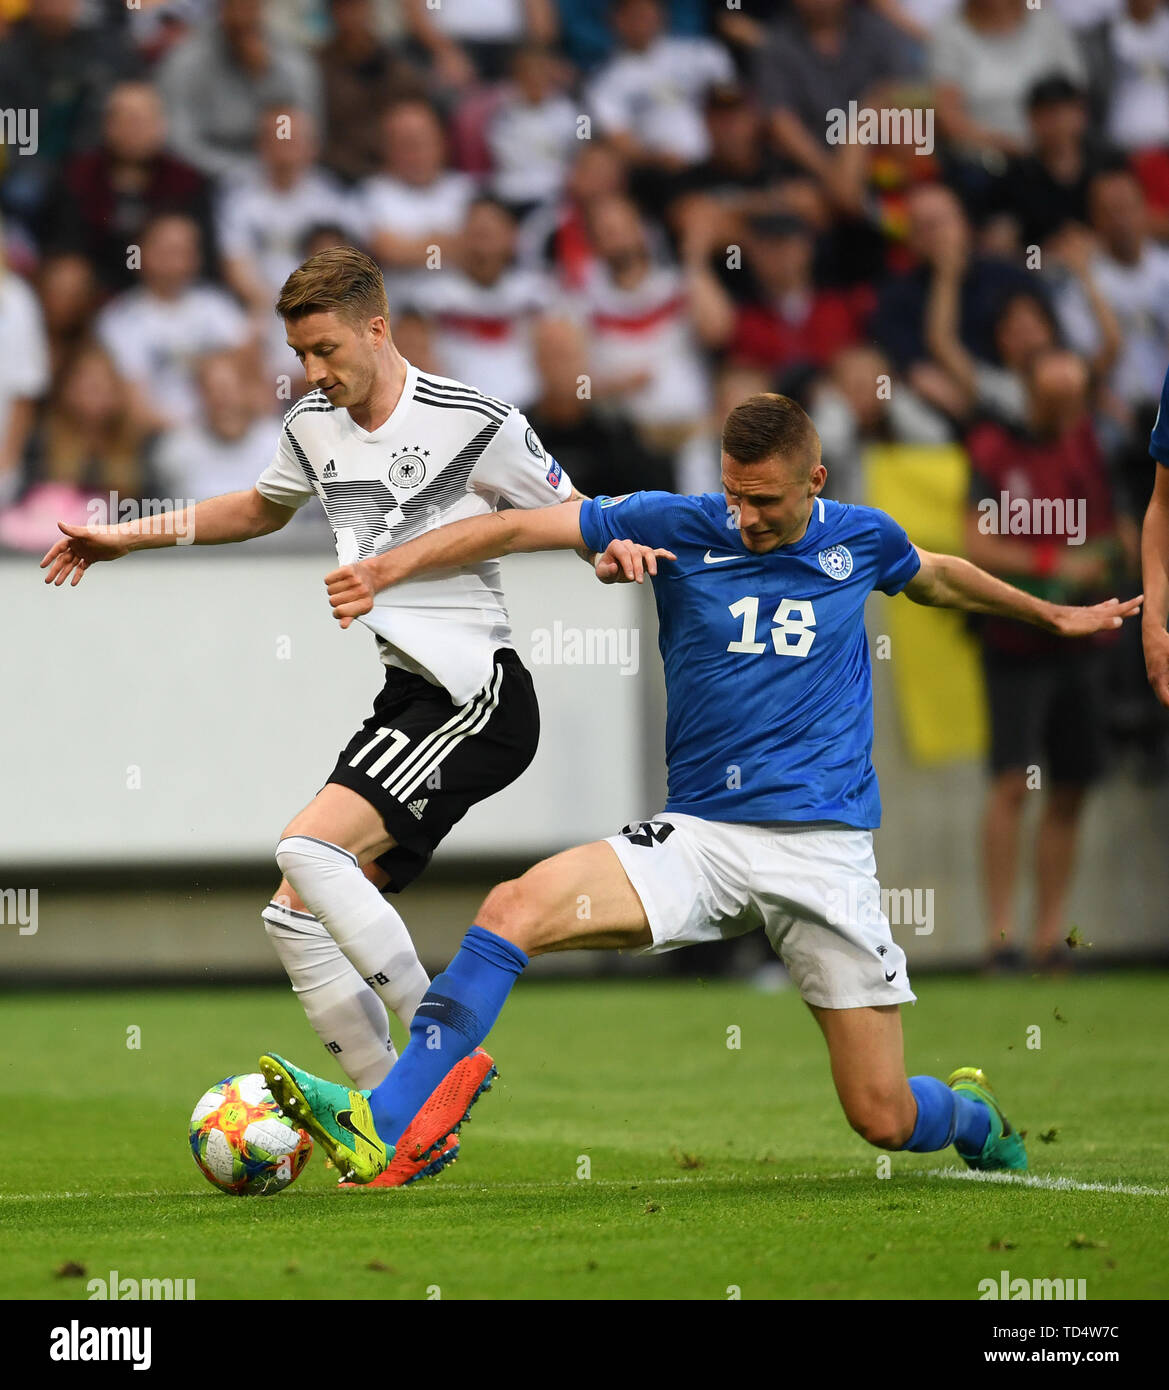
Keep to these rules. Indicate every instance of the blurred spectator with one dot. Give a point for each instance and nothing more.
(532, 135)
(59, 69)
(156, 333)
(108, 194)
(1132, 272)
(361, 74)
(939, 232)
(86, 445)
(643, 350)
(648, 98)
(788, 322)
(226, 445)
(1023, 327)
(1129, 53)
(416, 202)
(589, 38)
(984, 59)
(818, 56)
(739, 170)
(218, 82)
(851, 411)
(1042, 191)
(487, 313)
(556, 238)
(265, 215)
(469, 38)
(68, 294)
(1046, 695)
(24, 373)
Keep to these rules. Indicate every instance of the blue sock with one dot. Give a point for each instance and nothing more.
(455, 1015)
(945, 1117)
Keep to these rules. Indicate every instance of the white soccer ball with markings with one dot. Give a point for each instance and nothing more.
(241, 1141)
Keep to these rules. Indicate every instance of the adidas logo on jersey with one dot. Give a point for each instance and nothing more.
(330, 470)
(416, 808)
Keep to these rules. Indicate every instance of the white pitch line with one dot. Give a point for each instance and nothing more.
(1048, 1184)
(953, 1174)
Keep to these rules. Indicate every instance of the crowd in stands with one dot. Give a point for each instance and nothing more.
(622, 216)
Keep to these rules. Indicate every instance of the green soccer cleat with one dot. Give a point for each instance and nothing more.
(1004, 1146)
(339, 1119)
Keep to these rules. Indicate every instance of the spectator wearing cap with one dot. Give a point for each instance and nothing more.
(740, 170)
(360, 74)
(1044, 190)
(788, 322)
(156, 333)
(1046, 696)
(938, 230)
(54, 64)
(533, 133)
(217, 83)
(648, 98)
(984, 60)
(108, 194)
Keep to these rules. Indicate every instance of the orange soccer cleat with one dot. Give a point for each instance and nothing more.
(431, 1140)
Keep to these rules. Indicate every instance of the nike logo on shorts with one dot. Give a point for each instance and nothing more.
(888, 978)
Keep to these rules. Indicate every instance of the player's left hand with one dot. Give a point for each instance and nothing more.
(351, 592)
(626, 562)
(1069, 621)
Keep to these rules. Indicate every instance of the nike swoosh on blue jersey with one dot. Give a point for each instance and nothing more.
(709, 559)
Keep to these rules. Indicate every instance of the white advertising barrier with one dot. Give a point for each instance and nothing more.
(181, 706)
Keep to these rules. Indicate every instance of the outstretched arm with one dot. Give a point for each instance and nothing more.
(1155, 577)
(352, 587)
(948, 581)
(234, 516)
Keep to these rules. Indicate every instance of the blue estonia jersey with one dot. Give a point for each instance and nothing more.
(768, 682)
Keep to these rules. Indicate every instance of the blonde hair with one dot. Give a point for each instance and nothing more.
(340, 279)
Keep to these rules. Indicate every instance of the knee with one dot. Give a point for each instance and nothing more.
(879, 1121)
(508, 911)
(1008, 790)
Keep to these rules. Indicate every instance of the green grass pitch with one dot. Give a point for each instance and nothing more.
(626, 1152)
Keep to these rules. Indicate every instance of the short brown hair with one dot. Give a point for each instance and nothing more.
(340, 279)
(766, 425)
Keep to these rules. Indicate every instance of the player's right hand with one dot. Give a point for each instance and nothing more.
(1156, 644)
(81, 547)
(350, 592)
(626, 562)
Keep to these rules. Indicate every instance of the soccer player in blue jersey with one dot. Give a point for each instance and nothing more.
(1155, 558)
(772, 795)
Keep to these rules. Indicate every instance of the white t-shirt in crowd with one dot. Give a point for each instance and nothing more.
(482, 333)
(480, 21)
(532, 148)
(406, 209)
(157, 342)
(656, 96)
(446, 452)
(646, 329)
(24, 350)
(1138, 111)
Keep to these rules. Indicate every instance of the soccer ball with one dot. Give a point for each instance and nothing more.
(241, 1141)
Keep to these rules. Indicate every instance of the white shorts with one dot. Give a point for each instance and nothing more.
(813, 890)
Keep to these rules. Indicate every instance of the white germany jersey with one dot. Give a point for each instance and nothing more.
(446, 452)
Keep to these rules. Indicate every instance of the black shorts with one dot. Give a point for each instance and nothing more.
(1048, 711)
(423, 762)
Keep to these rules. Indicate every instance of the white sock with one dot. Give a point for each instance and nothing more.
(346, 1014)
(370, 932)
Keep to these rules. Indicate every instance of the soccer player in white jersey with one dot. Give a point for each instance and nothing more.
(768, 679)
(390, 452)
